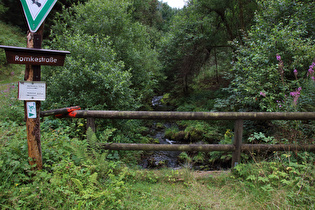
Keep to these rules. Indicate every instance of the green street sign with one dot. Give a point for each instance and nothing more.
(36, 11)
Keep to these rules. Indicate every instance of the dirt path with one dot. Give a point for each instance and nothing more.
(206, 174)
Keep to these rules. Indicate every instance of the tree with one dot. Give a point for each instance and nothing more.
(197, 30)
(110, 22)
(92, 77)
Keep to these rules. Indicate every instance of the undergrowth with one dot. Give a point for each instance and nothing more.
(296, 179)
(79, 174)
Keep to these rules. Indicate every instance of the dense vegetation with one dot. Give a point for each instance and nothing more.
(212, 55)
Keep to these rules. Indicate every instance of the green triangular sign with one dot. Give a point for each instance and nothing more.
(30, 114)
(36, 11)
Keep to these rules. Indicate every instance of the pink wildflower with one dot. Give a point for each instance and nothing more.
(296, 95)
(262, 94)
(295, 73)
(278, 57)
(310, 72)
(299, 89)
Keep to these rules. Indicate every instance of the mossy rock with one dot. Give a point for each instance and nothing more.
(195, 135)
(159, 126)
(181, 136)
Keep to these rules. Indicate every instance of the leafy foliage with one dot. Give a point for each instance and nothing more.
(269, 176)
(197, 30)
(92, 76)
(11, 36)
(70, 176)
(261, 82)
(110, 21)
(11, 108)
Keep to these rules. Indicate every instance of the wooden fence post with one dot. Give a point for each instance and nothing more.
(238, 134)
(90, 123)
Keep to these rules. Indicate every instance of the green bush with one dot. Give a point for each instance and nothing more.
(263, 74)
(92, 76)
(104, 31)
(72, 175)
(297, 178)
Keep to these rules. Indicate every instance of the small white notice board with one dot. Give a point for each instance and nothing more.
(32, 91)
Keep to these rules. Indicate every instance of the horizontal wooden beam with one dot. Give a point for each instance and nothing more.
(194, 115)
(206, 147)
(168, 147)
(277, 147)
(61, 111)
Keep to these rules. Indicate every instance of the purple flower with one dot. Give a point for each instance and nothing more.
(262, 94)
(299, 89)
(310, 72)
(278, 57)
(12, 73)
(295, 73)
(293, 94)
(313, 79)
(296, 95)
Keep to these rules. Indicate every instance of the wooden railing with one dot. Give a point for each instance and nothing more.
(237, 147)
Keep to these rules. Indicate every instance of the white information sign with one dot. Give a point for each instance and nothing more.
(31, 109)
(32, 91)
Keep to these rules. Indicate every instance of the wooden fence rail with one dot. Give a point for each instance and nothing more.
(237, 147)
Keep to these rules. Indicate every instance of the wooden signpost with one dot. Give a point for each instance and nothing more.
(31, 90)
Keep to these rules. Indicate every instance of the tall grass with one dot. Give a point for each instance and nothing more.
(10, 36)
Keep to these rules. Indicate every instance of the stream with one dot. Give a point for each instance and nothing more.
(156, 159)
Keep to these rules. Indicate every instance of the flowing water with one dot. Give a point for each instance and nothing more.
(161, 158)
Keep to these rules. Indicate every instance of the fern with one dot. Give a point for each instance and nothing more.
(93, 178)
(91, 140)
(78, 183)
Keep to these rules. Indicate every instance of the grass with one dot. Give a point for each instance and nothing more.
(219, 192)
(10, 36)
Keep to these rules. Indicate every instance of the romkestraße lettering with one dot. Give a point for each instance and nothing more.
(32, 59)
